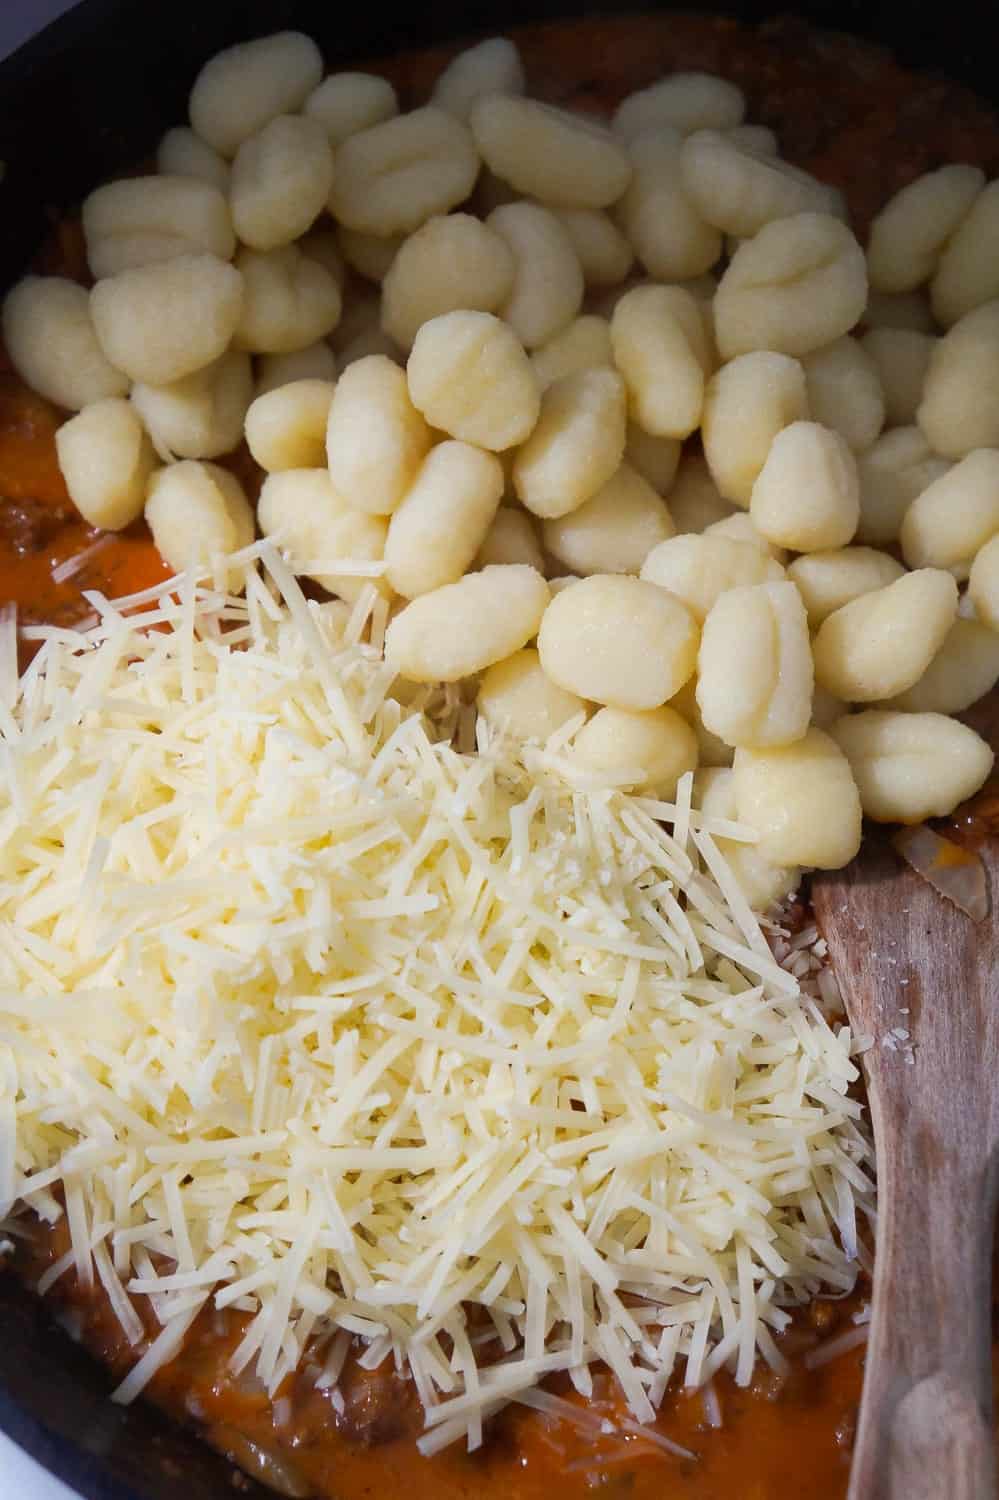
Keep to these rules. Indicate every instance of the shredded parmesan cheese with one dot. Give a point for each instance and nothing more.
(381, 1039)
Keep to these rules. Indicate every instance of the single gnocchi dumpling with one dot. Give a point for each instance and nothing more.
(547, 291)
(964, 669)
(699, 569)
(967, 275)
(746, 404)
(741, 528)
(670, 236)
(470, 376)
(881, 644)
(845, 391)
(577, 445)
(376, 438)
(828, 580)
(370, 255)
(183, 154)
(453, 261)
(604, 252)
(910, 234)
(953, 518)
(317, 529)
(281, 179)
(464, 627)
(897, 468)
(958, 411)
(681, 101)
(645, 750)
(443, 518)
(315, 362)
(142, 220)
(106, 460)
(239, 90)
(583, 345)
(661, 348)
(902, 358)
(910, 767)
(798, 284)
(549, 154)
(161, 322)
(393, 176)
(286, 428)
(49, 334)
(807, 495)
(983, 584)
(491, 67)
(738, 189)
(619, 641)
(614, 531)
(290, 301)
(201, 415)
(197, 513)
(345, 103)
(516, 698)
(754, 667)
(657, 459)
(802, 801)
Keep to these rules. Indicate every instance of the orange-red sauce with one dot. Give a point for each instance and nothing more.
(851, 115)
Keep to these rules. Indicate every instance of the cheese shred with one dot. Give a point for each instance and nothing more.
(305, 1009)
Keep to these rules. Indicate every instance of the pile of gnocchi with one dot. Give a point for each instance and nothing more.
(618, 418)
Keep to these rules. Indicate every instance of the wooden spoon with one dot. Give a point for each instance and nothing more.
(907, 960)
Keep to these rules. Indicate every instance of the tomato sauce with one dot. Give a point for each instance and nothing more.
(850, 114)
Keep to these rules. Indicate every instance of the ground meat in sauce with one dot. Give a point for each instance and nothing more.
(788, 1435)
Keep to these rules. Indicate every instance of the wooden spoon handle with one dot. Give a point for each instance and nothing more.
(925, 1428)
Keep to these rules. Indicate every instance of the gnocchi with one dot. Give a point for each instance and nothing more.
(470, 376)
(684, 102)
(964, 669)
(106, 460)
(547, 153)
(443, 518)
(49, 334)
(909, 767)
(693, 498)
(197, 512)
(618, 641)
(491, 67)
(452, 262)
(799, 283)
(161, 322)
(966, 275)
(281, 179)
(911, 232)
(671, 238)
(754, 667)
(290, 301)
(644, 749)
(577, 445)
(315, 362)
(604, 253)
(902, 359)
(239, 90)
(183, 154)
(302, 511)
(845, 392)
(512, 538)
(345, 103)
(802, 801)
(958, 411)
(583, 345)
(737, 189)
(662, 351)
(393, 176)
(828, 580)
(953, 518)
(699, 569)
(286, 427)
(762, 882)
(983, 584)
(881, 643)
(465, 627)
(746, 404)
(897, 468)
(376, 438)
(516, 698)
(547, 290)
(613, 531)
(657, 459)
(201, 415)
(807, 495)
(142, 220)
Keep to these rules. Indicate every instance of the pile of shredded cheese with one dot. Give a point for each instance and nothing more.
(485, 1064)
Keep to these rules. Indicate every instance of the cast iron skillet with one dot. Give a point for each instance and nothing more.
(86, 98)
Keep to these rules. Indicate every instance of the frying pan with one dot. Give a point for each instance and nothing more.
(86, 98)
